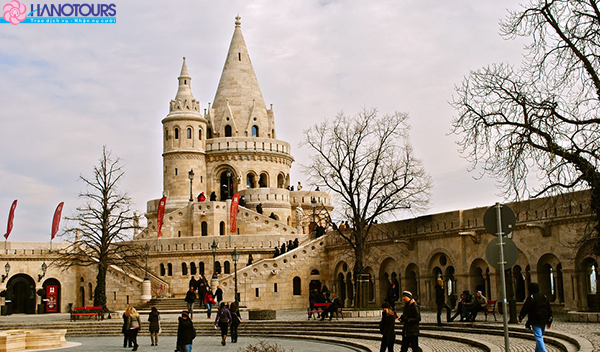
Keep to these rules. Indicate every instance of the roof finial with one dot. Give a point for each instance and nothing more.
(238, 23)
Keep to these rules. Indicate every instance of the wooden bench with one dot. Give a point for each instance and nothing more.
(319, 308)
(489, 309)
(86, 312)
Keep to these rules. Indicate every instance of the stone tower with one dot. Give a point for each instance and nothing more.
(184, 139)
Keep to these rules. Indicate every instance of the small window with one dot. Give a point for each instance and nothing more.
(209, 133)
(275, 287)
(228, 131)
(239, 56)
(166, 135)
(254, 131)
(162, 269)
(189, 133)
(184, 270)
(200, 134)
(204, 228)
(218, 267)
(226, 267)
(176, 133)
(256, 292)
(193, 268)
(201, 268)
(222, 228)
(297, 285)
(169, 269)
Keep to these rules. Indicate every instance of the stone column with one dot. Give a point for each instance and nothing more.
(146, 290)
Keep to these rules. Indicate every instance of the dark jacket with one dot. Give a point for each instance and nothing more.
(537, 308)
(387, 325)
(411, 316)
(185, 332)
(390, 297)
(190, 296)
(153, 318)
(219, 295)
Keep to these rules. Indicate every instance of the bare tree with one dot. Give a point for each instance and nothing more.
(368, 164)
(535, 128)
(101, 234)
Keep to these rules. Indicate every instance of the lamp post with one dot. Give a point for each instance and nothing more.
(214, 247)
(235, 256)
(191, 177)
(42, 271)
(147, 249)
(313, 204)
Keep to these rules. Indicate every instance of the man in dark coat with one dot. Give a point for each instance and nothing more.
(387, 328)
(193, 283)
(333, 307)
(213, 196)
(411, 316)
(259, 208)
(539, 315)
(190, 298)
(201, 289)
(185, 333)
(440, 302)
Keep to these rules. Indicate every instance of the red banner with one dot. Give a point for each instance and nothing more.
(11, 216)
(235, 201)
(51, 299)
(160, 215)
(56, 219)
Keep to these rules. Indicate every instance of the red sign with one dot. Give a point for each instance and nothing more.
(233, 212)
(160, 215)
(56, 220)
(11, 216)
(52, 299)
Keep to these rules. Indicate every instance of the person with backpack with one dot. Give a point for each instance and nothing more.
(185, 333)
(222, 321)
(236, 320)
(539, 315)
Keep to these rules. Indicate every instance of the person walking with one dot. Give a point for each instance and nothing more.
(236, 320)
(440, 302)
(190, 298)
(126, 341)
(539, 315)
(222, 320)
(185, 333)
(259, 208)
(154, 327)
(219, 296)
(209, 300)
(387, 327)
(411, 316)
(133, 326)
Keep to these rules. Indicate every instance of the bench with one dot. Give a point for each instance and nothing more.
(489, 309)
(86, 312)
(319, 308)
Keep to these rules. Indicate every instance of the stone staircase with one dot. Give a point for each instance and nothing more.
(165, 305)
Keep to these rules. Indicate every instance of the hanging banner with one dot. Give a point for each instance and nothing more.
(11, 216)
(160, 214)
(51, 299)
(56, 219)
(235, 201)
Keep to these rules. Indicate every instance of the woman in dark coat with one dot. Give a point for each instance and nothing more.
(154, 320)
(185, 333)
(236, 319)
(222, 321)
(387, 328)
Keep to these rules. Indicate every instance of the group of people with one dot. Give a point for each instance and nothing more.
(410, 317)
(281, 250)
(202, 197)
(199, 289)
(323, 296)
(226, 317)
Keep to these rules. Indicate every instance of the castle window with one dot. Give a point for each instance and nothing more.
(218, 267)
(222, 228)
(175, 171)
(297, 284)
(162, 269)
(184, 270)
(240, 56)
(192, 268)
(169, 269)
(228, 131)
(166, 135)
(226, 267)
(200, 134)
(204, 228)
(189, 133)
(185, 81)
(254, 131)
(176, 133)
(201, 268)
(209, 133)
(262, 181)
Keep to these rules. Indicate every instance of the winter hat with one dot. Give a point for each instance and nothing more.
(185, 312)
(407, 294)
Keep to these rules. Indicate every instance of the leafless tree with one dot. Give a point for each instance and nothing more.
(101, 233)
(535, 128)
(367, 163)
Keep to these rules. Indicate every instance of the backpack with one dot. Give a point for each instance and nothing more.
(223, 317)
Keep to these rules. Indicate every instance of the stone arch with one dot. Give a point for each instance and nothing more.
(411, 280)
(546, 276)
(263, 180)
(20, 289)
(280, 180)
(251, 180)
(228, 131)
(49, 285)
(226, 176)
(477, 276)
(387, 276)
(439, 262)
(255, 131)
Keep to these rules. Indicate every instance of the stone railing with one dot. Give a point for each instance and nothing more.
(227, 144)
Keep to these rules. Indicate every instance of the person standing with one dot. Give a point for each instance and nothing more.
(219, 296)
(222, 320)
(213, 196)
(209, 300)
(440, 302)
(236, 320)
(391, 297)
(201, 289)
(190, 298)
(387, 328)
(154, 328)
(539, 315)
(411, 316)
(193, 283)
(259, 208)
(126, 341)
(133, 326)
(185, 333)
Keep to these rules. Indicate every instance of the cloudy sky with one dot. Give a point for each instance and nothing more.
(68, 89)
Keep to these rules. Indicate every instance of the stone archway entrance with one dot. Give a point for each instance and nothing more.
(226, 184)
(21, 291)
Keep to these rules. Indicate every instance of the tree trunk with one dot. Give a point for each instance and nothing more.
(357, 271)
(100, 291)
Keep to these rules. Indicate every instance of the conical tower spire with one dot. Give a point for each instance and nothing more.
(184, 92)
(239, 102)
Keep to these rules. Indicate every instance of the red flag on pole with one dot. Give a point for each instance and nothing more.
(11, 216)
(233, 212)
(160, 214)
(56, 219)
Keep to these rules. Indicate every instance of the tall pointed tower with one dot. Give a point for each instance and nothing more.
(184, 138)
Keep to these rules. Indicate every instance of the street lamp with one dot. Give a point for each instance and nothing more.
(235, 256)
(313, 204)
(147, 248)
(42, 271)
(7, 269)
(191, 177)
(214, 247)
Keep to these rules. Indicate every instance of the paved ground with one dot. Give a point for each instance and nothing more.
(589, 331)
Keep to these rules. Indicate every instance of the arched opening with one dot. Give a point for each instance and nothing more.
(217, 267)
(176, 133)
(209, 133)
(201, 268)
(297, 286)
(222, 228)
(204, 227)
(228, 132)
(412, 280)
(193, 268)
(81, 298)
(342, 286)
(250, 180)
(263, 180)
(227, 187)
(52, 295)
(20, 291)
(280, 181)
(184, 269)
(189, 133)
(226, 267)
(162, 270)
(350, 289)
(254, 131)
(590, 269)
(200, 134)
(519, 280)
(169, 269)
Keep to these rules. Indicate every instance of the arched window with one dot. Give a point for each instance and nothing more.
(184, 269)
(250, 181)
(254, 131)
(222, 228)
(176, 133)
(262, 181)
(204, 228)
(193, 268)
(189, 133)
(228, 131)
(169, 269)
(218, 267)
(166, 134)
(201, 268)
(209, 133)
(226, 267)
(162, 269)
(297, 284)
(200, 134)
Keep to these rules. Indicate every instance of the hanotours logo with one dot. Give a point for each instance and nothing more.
(15, 13)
